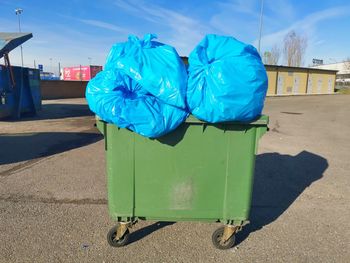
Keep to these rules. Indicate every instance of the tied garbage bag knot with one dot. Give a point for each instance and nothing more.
(142, 87)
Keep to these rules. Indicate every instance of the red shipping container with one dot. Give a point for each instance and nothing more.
(94, 70)
(81, 72)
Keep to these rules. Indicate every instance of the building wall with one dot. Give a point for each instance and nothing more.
(343, 74)
(291, 82)
(272, 77)
(59, 89)
(281, 81)
(299, 81)
(320, 83)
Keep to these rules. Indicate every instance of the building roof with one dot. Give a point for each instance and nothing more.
(185, 60)
(301, 68)
(342, 67)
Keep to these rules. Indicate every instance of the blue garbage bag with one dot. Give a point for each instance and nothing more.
(142, 87)
(227, 80)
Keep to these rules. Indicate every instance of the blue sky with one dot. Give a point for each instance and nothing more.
(71, 31)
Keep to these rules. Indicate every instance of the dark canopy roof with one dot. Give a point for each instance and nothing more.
(9, 41)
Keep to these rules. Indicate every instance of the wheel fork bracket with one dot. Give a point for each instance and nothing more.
(229, 231)
(122, 229)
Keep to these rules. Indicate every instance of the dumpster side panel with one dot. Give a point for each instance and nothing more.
(239, 173)
(120, 171)
(31, 94)
(26, 101)
(7, 99)
(34, 86)
(28, 95)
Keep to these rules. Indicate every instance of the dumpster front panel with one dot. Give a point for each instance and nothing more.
(173, 178)
(205, 176)
(198, 172)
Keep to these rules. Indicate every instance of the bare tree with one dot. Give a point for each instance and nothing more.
(272, 57)
(267, 57)
(294, 49)
(347, 63)
(275, 55)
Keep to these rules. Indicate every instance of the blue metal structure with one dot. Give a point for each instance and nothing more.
(19, 86)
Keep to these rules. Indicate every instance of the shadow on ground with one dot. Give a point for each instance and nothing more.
(55, 111)
(143, 232)
(28, 146)
(279, 181)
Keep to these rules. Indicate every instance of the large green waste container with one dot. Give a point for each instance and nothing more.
(199, 172)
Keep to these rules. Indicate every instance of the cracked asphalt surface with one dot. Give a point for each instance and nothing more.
(53, 200)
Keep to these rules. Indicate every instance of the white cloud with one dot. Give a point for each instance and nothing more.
(308, 26)
(241, 6)
(184, 32)
(101, 24)
(305, 25)
(280, 9)
(240, 18)
(71, 42)
(65, 44)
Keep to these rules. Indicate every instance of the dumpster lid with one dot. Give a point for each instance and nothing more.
(261, 120)
(9, 41)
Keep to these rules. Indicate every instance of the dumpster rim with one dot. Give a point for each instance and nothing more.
(261, 120)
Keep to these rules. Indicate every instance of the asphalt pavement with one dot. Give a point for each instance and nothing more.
(53, 199)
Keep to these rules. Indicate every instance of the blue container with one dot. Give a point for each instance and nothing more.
(19, 99)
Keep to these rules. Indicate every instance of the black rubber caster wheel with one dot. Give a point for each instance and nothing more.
(111, 237)
(217, 239)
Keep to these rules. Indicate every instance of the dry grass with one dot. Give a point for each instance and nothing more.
(343, 91)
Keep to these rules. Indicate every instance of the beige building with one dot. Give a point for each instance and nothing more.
(343, 74)
(285, 80)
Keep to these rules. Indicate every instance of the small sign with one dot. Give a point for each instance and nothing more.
(317, 61)
(41, 67)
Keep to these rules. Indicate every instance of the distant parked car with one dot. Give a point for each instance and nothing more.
(48, 76)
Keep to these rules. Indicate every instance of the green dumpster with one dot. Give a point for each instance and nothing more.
(199, 172)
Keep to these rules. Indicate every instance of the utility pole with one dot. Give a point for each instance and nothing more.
(51, 65)
(261, 22)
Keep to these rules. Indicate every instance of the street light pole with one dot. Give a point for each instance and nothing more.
(51, 65)
(260, 24)
(18, 12)
(17, 113)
